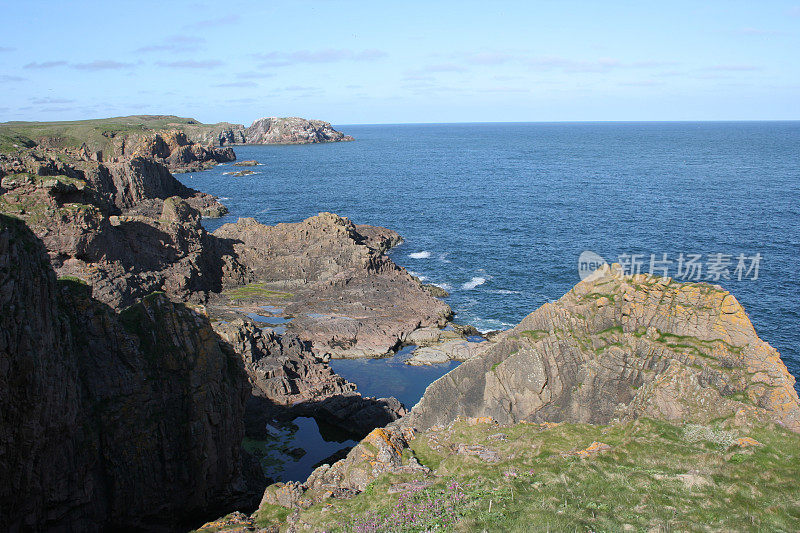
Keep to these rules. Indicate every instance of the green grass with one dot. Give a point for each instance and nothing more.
(72, 279)
(98, 134)
(254, 291)
(656, 475)
(535, 334)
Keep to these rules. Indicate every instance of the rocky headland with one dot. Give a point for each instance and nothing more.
(292, 130)
(636, 357)
(181, 144)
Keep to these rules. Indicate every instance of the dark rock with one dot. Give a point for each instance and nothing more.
(110, 421)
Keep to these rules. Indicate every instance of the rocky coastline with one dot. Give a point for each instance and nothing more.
(181, 144)
(615, 353)
(140, 351)
(146, 322)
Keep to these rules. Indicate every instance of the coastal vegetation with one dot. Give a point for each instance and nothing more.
(634, 476)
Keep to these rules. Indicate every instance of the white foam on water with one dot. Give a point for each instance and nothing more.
(474, 282)
(443, 257)
(485, 325)
(444, 286)
(425, 254)
(418, 275)
(504, 291)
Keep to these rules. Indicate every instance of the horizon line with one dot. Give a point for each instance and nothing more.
(682, 121)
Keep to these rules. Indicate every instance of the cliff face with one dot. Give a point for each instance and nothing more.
(180, 143)
(292, 130)
(173, 149)
(287, 380)
(109, 420)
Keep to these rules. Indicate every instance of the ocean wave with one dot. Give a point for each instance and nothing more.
(425, 254)
(223, 198)
(419, 276)
(504, 291)
(444, 286)
(443, 257)
(474, 282)
(485, 325)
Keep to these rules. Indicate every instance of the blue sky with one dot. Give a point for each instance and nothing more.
(354, 62)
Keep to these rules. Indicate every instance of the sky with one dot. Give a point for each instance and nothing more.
(367, 62)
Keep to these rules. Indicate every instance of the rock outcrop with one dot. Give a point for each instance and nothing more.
(288, 381)
(621, 347)
(292, 130)
(130, 228)
(335, 282)
(180, 143)
(110, 420)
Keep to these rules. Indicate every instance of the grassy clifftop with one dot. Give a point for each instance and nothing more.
(637, 476)
(97, 133)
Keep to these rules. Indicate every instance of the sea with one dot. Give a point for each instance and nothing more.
(498, 214)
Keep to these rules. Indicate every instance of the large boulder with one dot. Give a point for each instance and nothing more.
(621, 347)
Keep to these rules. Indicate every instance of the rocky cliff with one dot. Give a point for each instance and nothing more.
(334, 282)
(614, 349)
(288, 380)
(110, 420)
(173, 149)
(180, 143)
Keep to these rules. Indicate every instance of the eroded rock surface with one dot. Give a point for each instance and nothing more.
(614, 348)
(618, 347)
(345, 296)
(173, 149)
(288, 380)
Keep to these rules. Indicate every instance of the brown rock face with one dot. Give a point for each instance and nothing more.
(621, 347)
(336, 283)
(173, 149)
(288, 381)
(110, 421)
(292, 130)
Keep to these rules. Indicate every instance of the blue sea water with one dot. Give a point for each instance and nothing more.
(499, 213)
